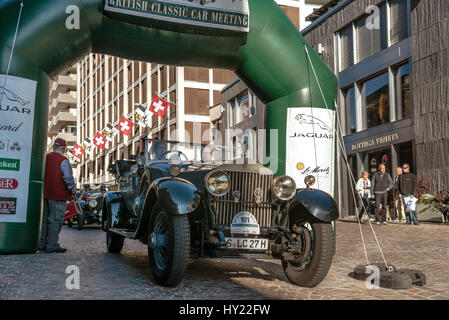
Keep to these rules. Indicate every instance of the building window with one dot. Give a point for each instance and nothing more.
(349, 107)
(376, 100)
(246, 105)
(371, 39)
(241, 108)
(347, 48)
(232, 113)
(398, 18)
(403, 92)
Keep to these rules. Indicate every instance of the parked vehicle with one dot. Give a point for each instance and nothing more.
(92, 207)
(80, 206)
(182, 201)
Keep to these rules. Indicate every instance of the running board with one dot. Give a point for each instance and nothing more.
(123, 233)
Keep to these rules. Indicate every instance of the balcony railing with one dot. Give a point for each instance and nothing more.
(60, 121)
(62, 101)
(62, 84)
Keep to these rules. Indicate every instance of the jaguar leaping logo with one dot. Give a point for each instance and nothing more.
(305, 118)
(11, 96)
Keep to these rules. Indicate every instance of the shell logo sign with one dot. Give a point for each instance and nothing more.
(8, 184)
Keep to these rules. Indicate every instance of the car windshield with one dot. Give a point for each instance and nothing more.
(175, 151)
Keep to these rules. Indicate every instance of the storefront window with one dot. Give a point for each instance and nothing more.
(376, 101)
(350, 114)
(371, 38)
(403, 92)
(371, 161)
(406, 154)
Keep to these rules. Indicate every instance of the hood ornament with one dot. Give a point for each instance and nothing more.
(236, 195)
(258, 194)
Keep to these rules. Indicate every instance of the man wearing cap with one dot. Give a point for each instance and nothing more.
(59, 186)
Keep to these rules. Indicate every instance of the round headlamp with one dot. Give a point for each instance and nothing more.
(284, 188)
(174, 170)
(217, 183)
(140, 161)
(309, 181)
(93, 203)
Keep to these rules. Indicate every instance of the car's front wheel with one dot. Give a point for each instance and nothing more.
(168, 246)
(114, 242)
(317, 246)
(80, 219)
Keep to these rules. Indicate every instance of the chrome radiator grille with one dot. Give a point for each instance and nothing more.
(246, 183)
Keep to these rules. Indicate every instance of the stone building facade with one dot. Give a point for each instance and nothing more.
(414, 61)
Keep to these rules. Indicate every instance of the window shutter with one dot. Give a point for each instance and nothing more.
(398, 15)
(347, 52)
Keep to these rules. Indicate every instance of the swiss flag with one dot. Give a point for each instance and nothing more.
(77, 151)
(159, 106)
(125, 126)
(99, 140)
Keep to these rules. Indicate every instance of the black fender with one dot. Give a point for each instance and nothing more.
(116, 210)
(314, 203)
(177, 196)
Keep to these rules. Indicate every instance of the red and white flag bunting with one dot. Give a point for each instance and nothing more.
(141, 117)
(125, 126)
(109, 132)
(99, 140)
(77, 151)
(159, 106)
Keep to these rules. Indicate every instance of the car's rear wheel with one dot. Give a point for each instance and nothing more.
(168, 246)
(114, 242)
(317, 247)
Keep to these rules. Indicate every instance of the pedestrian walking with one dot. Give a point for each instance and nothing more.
(363, 188)
(59, 187)
(381, 183)
(407, 188)
(398, 206)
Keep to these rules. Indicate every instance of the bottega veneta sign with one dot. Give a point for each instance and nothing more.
(222, 14)
(390, 138)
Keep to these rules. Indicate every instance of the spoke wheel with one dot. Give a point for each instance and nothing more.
(317, 247)
(168, 246)
(114, 242)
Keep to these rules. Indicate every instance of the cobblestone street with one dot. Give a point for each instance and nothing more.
(127, 276)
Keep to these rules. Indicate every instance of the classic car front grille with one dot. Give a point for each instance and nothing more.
(246, 183)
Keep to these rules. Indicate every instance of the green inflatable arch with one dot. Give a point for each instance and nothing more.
(268, 54)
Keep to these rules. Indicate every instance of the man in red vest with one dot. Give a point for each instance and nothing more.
(59, 186)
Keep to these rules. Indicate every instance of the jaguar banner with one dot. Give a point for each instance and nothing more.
(222, 14)
(17, 99)
(310, 146)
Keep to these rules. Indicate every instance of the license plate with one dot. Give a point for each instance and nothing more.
(247, 244)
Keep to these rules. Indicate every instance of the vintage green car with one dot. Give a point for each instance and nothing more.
(184, 201)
